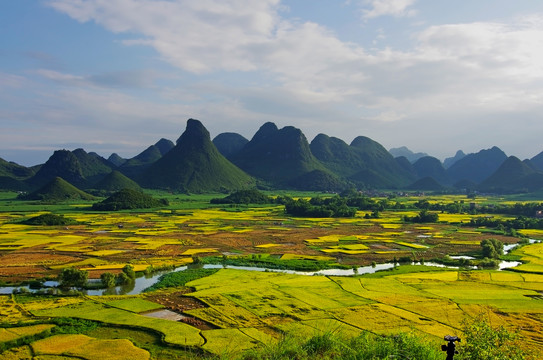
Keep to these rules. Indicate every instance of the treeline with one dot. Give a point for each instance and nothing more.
(318, 207)
(461, 207)
(345, 204)
(521, 222)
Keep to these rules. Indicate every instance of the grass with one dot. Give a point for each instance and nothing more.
(180, 278)
(228, 342)
(332, 346)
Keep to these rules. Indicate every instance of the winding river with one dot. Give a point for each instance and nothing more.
(142, 283)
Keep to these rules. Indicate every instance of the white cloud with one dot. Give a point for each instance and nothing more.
(453, 76)
(11, 81)
(196, 35)
(60, 77)
(119, 79)
(396, 8)
(511, 49)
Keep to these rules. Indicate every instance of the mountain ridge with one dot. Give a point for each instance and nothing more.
(279, 158)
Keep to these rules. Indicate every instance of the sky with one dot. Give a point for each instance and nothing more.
(110, 76)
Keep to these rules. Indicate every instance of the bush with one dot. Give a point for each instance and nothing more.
(49, 220)
(484, 342)
(180, 278)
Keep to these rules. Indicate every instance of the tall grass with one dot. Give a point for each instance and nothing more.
(333, 346)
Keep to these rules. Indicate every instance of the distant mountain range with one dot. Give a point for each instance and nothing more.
(274, 159)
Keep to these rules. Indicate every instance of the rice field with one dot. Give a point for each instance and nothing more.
(176, 333)
(108, 241)
(244, 309)
(85, 347)
(532, 256)
(14, 333)
(434, 303)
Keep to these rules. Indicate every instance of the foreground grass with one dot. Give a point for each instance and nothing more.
(332, 346)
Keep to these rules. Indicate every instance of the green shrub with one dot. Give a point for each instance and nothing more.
(180, 278)
(483, 342)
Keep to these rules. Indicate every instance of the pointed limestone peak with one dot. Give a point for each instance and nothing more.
(116, 160)
(265, 131)
(164, 145)
(195, 133)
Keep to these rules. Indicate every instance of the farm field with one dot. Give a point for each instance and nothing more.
(234, 310)
(172, 237)
(245, 309)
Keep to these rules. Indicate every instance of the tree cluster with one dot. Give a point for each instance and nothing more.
(492, 248)
(424, 216)
(461, 207)
(126, 276)
(70, 277)
(521, 222)
(317, 207)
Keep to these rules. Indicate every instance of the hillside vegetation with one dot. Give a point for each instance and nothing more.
(58, 190)
(127, 199)
(195, 165)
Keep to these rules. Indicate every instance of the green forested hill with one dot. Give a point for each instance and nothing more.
(63, 164)
(513, 176)
(195, 165)
(478, 166)
(277, 155)
(58, 190)
(116, 181)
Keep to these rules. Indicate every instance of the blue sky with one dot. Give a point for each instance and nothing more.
(117, 75)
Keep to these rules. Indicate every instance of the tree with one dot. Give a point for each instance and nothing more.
(73, 277)
(108, 279)
(129, 271)
(424, 216)
(492, 248)
(123, 279)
